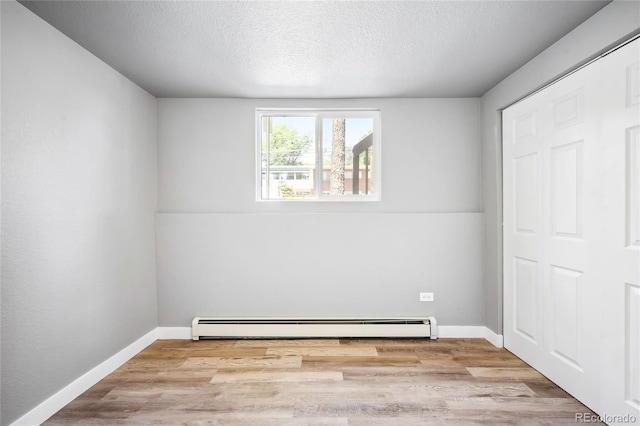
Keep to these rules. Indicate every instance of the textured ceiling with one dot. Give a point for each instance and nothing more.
(315, 49)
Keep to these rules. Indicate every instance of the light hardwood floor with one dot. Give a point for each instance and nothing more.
(323, 382)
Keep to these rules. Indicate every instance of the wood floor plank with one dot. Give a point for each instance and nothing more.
(282, 343)
(324, 351)
(201, 419)
(525, 407)
(426, 420)
(243, 362)
(304, 390)
(546, 389)
(148, 364)
(455, 389)
(362, 409)
(202, 416)
(275, 376)
(362, 361)
(162, 376)
(324, 382)
(505, 373)
(230, 351)
(480, 359)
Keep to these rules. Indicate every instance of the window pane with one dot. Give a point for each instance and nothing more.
(288, 154)
(347, 153)
(342, 168)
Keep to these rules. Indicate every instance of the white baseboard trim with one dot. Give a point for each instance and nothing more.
(496, 340)
(182, 333)
(471, 332)
(70, 392)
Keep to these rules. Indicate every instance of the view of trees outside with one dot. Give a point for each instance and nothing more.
(286, 145)
(289, 155)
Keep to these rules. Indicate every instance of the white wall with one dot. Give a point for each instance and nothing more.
(426, 226)
(615, 22)
(338, 265)
(78, 199)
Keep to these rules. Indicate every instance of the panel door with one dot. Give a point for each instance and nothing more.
(571, 182)
(572, 237)
(551, 231)
(523, 245)
(620, 100)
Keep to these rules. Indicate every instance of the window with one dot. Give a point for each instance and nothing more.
(318, 155)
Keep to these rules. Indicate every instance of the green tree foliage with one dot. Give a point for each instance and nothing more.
(285, 189)
(286, 146)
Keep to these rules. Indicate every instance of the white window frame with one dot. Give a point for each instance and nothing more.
(319, 115)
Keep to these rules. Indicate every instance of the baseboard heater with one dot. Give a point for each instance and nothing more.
(212, 328)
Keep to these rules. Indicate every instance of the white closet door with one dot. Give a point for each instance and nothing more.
(523, 214)
(620, 140)
(550, 229)
(571, 194)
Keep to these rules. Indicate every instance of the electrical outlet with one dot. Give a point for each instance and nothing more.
(426, 297)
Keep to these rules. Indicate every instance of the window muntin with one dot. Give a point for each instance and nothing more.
(318, 155)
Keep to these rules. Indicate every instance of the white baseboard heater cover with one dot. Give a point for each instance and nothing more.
(212, 328)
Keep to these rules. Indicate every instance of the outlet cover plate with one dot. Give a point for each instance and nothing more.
(426, 297)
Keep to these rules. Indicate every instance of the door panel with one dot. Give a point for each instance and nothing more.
(526, 183)
(526, 298)
(566, 190)
(632, 353)
(633, 186)
(566, 287)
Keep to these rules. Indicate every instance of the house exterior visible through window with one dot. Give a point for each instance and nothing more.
(326, 155)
